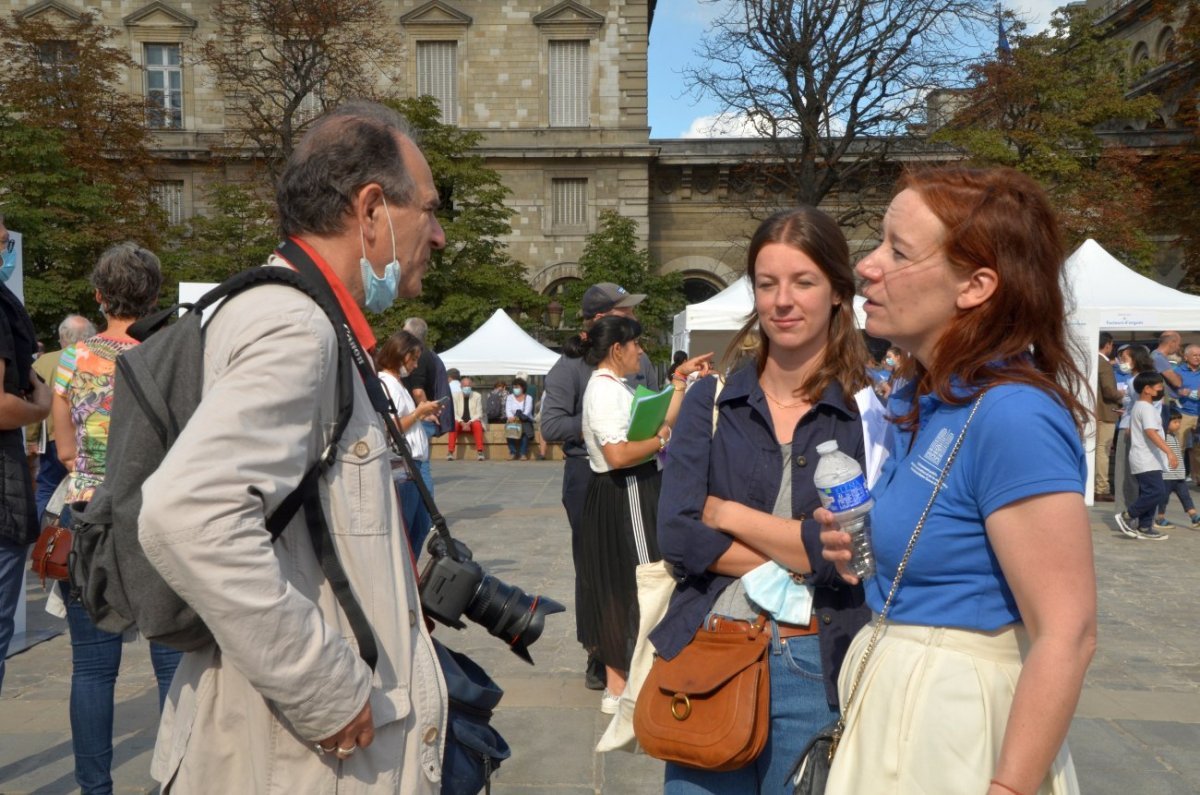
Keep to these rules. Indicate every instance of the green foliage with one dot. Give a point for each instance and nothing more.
(74, 164)
(1037, 109)
(474, 275)
(63, 217)
(238, 233)
(610, 254)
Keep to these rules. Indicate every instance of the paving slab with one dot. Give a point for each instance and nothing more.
(1136, 732)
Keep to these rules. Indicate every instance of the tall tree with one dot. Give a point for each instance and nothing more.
(281, 63)
(1038, 107)
(238, 232)
(74, 163)
(832, 85)
(61, 215)
(611, 254)
(1175, 169)
(474, 276)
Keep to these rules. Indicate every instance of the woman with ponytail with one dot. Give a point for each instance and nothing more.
(621, 510)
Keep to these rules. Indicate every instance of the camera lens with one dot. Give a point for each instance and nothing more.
(510, 614)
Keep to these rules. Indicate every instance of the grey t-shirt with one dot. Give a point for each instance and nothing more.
(733, 601)
(1144, 456)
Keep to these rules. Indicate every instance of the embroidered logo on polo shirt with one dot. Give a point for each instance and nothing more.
(928, 466)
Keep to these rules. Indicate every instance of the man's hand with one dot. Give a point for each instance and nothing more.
(1172, 461)
(359, 733)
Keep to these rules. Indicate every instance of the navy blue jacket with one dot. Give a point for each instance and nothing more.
(741, 463)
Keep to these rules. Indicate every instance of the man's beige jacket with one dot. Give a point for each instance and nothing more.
(244, 714)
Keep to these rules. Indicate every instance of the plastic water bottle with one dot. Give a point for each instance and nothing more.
(843, 490)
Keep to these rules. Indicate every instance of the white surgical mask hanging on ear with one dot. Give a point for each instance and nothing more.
(380, 292)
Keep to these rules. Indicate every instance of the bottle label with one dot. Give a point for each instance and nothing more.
(845, 496)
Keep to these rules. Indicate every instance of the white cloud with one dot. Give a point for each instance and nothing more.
(721, 125)
(740, 125)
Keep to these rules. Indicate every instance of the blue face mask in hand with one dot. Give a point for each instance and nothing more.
(380, 291)
(8, 264)
(775, 590)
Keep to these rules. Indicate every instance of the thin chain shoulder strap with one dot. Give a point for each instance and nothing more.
(912, 542)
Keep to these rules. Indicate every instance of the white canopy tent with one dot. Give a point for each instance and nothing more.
(500, 347)
(1105, 295)
(710, 325)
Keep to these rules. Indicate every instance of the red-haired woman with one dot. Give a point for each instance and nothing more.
(978, 668)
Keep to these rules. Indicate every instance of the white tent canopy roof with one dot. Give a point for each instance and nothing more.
(1112, 296)
(1105, 295)
(723, 315)
(500, 347)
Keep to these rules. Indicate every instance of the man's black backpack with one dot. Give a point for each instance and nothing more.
(157, 388)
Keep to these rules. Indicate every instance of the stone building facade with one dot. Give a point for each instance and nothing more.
(559, 89)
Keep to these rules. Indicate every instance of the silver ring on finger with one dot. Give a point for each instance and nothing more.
(345, 753)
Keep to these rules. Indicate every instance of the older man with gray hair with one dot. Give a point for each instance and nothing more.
(1188, 372)
(281, 701)
(40, 436)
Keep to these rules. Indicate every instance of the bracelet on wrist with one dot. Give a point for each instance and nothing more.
(1004, 786)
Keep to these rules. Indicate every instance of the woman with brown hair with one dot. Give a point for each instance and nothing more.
(395, 359)
(738, 492)
(976, 671)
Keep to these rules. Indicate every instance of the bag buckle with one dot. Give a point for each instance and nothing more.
(836, 738)
(681, 706)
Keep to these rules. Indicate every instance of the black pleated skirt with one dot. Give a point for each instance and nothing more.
(620, 518)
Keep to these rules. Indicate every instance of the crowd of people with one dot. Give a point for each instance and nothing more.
(1147, 406)
(956, 667)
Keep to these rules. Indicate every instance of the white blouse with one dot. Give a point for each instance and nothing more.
(607, 405)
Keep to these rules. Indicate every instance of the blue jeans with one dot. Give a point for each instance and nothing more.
(518, 448)
(798, 711)
(95, 661)
(1151, 492)
(12, 580)
(1180, 489)
(417, 522)
(50, 474)
(421, 523)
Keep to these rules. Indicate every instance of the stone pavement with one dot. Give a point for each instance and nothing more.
(1136, 731)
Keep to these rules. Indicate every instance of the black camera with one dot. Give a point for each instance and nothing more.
(451, 588)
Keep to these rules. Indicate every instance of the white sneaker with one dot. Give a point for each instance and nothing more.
(1125, 525)
(608, 703)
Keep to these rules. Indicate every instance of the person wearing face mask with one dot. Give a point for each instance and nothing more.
(519, 408)
(1134, 359)
(282, 700)
(394, 360)
(25, 399)
(1149, 455)
(1108, 411)
(468, 418)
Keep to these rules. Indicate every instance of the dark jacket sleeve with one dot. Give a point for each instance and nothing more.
(562, 420)
(685, 541)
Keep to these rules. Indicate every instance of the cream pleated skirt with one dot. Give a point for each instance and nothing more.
(930, 713)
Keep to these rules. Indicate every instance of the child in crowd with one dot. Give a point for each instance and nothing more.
(1175, 479)
(1149, 457)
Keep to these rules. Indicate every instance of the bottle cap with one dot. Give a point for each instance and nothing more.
(827, 447)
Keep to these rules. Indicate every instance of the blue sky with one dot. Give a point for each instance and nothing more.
(678, 27)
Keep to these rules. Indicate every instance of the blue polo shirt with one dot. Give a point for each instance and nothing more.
(1191, 381)
(1021, 443)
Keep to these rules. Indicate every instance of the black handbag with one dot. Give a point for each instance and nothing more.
(812, 769)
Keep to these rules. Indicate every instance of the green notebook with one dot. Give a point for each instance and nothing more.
(649, 412)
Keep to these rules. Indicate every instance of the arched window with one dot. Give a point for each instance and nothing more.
(1141, 53)
(1166, 46)
(699, 287)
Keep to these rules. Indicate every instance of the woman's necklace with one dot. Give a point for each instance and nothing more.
(781, 404)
